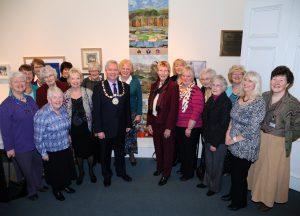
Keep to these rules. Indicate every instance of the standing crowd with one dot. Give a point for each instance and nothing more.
(49, 125)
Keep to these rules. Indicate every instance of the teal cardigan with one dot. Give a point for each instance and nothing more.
(136, 102)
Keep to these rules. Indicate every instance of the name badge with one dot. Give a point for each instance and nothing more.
(273, 125)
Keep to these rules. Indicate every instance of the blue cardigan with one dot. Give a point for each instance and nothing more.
(136, 102)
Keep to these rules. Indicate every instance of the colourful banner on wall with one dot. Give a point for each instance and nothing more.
(148, 43)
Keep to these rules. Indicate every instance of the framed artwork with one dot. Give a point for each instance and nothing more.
(89, 55)
(197, 67)
(231, 42)
(53, 61)
(4, 71)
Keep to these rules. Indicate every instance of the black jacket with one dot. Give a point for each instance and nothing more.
(216, 118)
(107, 117)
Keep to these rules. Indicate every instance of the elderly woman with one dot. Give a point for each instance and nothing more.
(95, 76)
(161, 120)
(243, 136)
(51, 136)
(49, 76)
(269, 176)
(16, 121)
(136, 103)
(78, 101)
(216, 118)
(30, 89)
(189, 122)
(178, 66)
(205, 81)
(235, 77)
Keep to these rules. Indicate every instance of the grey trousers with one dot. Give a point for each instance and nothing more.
(30, 164)
(214, 167)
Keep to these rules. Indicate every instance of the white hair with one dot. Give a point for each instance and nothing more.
(221, 79)
(47, 71)
(54, 90)
(210, 71)
(16, 74)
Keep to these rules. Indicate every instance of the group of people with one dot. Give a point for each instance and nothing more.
(46, 123)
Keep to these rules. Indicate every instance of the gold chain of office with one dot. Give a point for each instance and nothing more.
(114, 95)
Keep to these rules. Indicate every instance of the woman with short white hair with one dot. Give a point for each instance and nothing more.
(49, 78)
(51, 136)
(243, 136)
(216, 118)
(95, 76)
(16, 122)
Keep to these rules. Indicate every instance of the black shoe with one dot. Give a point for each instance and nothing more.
(59, 195)
(93, 178)
(233, 207)
(33, 197)
(156, 173)
(69, 190)
(107, 182)
(226, 197)
(125, 177)
(163, 181)
(264, 208)
(201, 185)
(210, 193)
(43, 189)
(183, 178)
(80, 179)
(179, 172)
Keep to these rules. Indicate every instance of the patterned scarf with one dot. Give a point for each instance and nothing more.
(185, 95)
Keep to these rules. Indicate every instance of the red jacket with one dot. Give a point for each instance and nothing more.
(167, 104)
(41, 93)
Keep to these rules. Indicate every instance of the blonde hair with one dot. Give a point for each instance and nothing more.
(124, 62)
(164, 64)
(254, 77)
(178, 61)
(235, 68)
(190, 70)
(94, 65)
(47, 71)
(75, 71)
(221, 79)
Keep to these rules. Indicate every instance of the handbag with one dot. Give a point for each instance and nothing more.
(11, 190)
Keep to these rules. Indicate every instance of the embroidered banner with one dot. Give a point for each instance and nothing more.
(148, 43)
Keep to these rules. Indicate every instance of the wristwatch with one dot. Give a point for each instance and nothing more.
(234, 139)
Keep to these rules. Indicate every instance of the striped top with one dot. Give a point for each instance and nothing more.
(194, 110)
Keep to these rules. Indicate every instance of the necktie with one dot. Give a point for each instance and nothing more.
(115, 89)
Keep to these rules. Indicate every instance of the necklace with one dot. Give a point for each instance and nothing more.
(114, 97)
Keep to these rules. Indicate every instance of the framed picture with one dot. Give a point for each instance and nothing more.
(89, 55)
(53, 61)
(4, 71)
(231, 42)
(197, 66)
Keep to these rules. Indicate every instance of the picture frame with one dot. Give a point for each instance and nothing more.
(53, 61)
(197, 66)
(89, 55)
(231, 42)
(4, 71)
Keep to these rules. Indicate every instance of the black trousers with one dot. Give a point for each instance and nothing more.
(239, 186)
(106, 147)
(187, 149)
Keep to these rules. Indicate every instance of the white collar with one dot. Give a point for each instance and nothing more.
(128, 81)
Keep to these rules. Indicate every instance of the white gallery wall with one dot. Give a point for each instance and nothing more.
(63, 27)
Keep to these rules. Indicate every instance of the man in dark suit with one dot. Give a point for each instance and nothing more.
(112, 119)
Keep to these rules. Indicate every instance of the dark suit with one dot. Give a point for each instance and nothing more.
(167, 111)
(113, 121)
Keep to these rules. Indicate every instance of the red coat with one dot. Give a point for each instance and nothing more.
(167, 105)
(41, 93)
